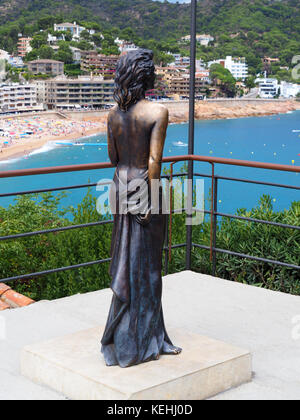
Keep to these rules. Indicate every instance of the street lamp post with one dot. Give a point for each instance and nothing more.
(191, 132)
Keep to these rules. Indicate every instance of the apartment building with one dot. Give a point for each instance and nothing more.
(105, 65)
(15, 97)
(40, 86)
(181, 86)
(167, 73)
(84, 91)
(50, 67)
(237, 66)
(24, 46)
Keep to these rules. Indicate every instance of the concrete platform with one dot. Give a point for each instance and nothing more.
(265, 322)
(73, 366)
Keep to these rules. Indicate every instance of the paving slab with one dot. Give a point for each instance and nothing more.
(264, 322)
(73, 366)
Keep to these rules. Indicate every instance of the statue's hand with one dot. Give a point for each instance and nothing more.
(144, 219)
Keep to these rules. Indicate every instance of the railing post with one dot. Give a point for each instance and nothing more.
(166, 268)
(215, 221)
(166, 247)
(191, 134)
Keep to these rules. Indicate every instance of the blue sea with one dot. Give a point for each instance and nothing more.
(265, 139)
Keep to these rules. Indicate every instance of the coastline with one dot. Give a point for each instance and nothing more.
(232, 110)
(33, 144)
(178, 114)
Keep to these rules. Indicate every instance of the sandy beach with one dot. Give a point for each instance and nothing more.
(19, 136)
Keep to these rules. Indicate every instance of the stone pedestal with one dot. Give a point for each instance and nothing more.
(74, 366)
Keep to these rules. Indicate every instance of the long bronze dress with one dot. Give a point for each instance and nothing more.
(135, 330)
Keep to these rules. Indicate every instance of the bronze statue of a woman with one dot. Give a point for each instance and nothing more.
(135, 330)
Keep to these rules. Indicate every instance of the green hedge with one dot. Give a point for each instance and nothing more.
(256, 239)
(43, 252)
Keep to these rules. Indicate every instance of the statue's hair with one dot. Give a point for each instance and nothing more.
(135, 74)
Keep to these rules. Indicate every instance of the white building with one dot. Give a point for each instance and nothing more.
(200, 65)
(15, 97)
(73, 28)
(203, 75)
(40, 86)
(4, 55)
(202, 39)
(51, 39)
(125, 46)
(76, 55)
(237, 66)
(289, 90)
(16, 62)
(180, 61)
(268, 88)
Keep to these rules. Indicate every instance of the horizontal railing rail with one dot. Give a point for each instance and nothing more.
(214, 214)
(169, 159)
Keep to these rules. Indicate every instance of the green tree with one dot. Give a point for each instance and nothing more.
(45, 52)
(250, 82)
(223, 78)
(84, 45)
(85, 35)
(39, 40)
(46, 22)
(64, 54)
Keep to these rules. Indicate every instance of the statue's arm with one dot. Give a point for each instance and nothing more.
(112, 151)
(157, 143)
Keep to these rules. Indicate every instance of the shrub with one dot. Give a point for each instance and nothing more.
(61, 249)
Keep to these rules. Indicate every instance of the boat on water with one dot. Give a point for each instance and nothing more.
(296, 131)
(180, 144)
(63, 143)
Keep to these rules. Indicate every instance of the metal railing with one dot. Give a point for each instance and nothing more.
(213, 212)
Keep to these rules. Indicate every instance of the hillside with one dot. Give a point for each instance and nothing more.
(251, 28)
(168, 19)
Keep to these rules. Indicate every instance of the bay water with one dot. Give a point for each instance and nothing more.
(274, 139)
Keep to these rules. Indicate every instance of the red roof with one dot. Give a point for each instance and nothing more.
(9, 299)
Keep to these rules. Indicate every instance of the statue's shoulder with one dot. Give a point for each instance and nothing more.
(159, 110)
(112, 113)
(113, 110)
